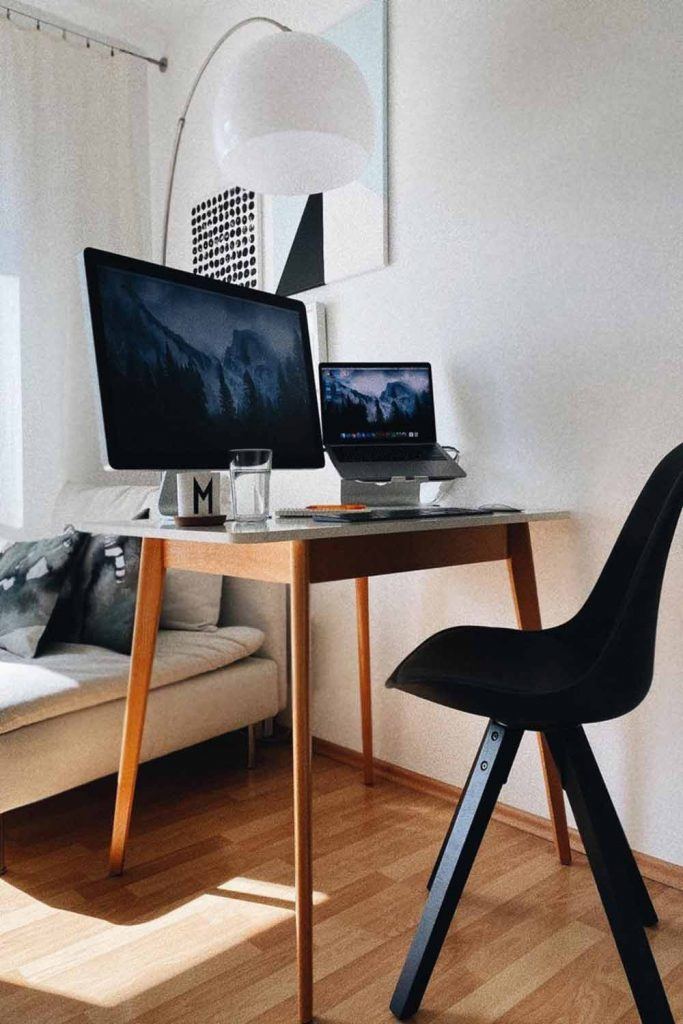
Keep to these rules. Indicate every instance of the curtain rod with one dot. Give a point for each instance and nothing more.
(161, 62)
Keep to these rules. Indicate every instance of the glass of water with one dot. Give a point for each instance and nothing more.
(250, 484)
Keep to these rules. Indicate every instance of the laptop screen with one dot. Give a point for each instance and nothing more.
(376, 403)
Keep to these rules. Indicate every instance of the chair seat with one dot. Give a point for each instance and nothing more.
(522, 678)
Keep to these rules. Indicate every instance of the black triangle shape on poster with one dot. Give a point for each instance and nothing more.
(305, 266)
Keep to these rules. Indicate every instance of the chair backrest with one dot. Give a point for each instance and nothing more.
(619, 618)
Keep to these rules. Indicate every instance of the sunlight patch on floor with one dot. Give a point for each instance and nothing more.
(266, 890)
(108, 963)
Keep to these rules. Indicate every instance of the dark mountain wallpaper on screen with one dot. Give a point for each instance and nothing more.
(189, 370)
(377, 402)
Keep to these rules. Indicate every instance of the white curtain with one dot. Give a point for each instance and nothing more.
(73, 173)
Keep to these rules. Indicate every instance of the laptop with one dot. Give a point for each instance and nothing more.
(378, 422)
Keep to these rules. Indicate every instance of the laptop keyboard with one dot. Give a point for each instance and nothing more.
(390, 453)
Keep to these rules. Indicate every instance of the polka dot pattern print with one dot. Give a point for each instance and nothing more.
(225, 237)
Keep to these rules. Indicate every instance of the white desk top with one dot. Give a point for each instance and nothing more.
(306, 529)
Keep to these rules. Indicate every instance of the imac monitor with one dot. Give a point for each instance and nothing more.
(190, 368)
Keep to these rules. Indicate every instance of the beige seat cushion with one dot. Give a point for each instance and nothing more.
(69, 677)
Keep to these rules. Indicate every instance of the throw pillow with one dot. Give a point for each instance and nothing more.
(97, 605)
(32, 575)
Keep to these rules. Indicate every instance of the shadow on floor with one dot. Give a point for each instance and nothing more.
(182, 844)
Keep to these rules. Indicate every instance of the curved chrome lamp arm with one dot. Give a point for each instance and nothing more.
(181, 120)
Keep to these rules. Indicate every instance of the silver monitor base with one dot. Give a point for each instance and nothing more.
(168, 493)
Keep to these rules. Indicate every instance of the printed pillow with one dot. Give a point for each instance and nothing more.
(97, 605)
(32, 576)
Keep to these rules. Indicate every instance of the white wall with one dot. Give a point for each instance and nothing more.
(536, 218)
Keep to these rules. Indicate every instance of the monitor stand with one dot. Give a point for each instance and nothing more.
(168, 493)
(395, 492)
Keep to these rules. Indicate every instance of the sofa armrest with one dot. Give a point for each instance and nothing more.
(118, 502)
(264, 605)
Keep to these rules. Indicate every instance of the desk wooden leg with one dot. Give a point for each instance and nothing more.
(301, 740)
(525, 594)
(364, 676)
(147, 611)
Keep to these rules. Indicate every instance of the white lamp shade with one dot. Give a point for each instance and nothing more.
(293, 117)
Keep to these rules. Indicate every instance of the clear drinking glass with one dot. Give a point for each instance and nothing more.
(250, 484)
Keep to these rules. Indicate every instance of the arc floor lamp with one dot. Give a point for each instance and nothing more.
(293, 117)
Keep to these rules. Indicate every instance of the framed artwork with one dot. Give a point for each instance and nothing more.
(226, 237)
(313, 240)
(290, 244)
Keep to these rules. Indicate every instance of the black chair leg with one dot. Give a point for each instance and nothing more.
(619, 845)
(613, 871)
(449, 831)
(489, 773)
(450, 827)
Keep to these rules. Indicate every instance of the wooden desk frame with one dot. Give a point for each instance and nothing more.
(301, 563)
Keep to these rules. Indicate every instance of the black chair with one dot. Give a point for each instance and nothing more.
(595, 667)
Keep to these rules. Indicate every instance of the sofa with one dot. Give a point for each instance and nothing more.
(61, 713)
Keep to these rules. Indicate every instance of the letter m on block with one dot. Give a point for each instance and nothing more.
(202, 494)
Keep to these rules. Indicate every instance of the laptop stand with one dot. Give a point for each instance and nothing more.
(397, 492)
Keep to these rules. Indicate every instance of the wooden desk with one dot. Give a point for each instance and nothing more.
(301, 553)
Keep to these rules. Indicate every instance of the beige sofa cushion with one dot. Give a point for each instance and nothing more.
(192, 600)
(52, 756)
(69, 677)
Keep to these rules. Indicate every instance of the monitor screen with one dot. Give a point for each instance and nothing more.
(376, 403)
(190, 368)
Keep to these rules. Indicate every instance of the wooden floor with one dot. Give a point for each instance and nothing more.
(200, 929)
